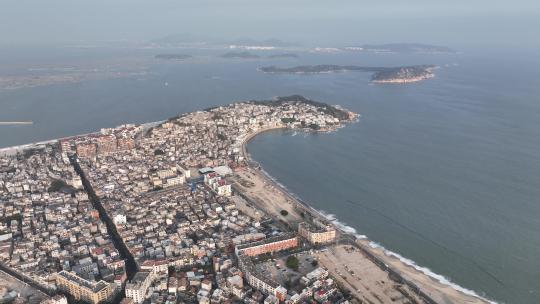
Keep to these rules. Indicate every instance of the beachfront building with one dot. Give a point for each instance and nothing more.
(317, 233)
(81, 289)
(269, 245)
(86, 149)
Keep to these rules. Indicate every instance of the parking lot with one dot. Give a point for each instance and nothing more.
(276, 269)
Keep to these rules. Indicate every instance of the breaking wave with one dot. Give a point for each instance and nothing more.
(441, 279)
(342, 226)
(351, 230)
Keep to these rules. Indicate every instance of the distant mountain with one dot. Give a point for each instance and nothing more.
(243, 55)
(403, 74)
(401, 48)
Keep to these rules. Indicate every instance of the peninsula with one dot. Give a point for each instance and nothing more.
(177, 210)
(404, 74)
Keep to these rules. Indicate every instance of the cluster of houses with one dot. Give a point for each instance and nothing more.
(167, 192)
(49, 226)
(107, 141)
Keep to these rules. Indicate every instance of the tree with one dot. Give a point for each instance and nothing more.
(292, 262)
(284, 212)
(56, 185)
(314, 126)
(288, 119)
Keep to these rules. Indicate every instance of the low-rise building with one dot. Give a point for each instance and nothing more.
(269, 245)
(137, 288)
(81, 289)
(317, 234)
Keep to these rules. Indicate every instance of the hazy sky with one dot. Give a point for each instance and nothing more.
(451, 22)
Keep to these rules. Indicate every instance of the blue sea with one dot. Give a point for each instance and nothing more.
(445, 172)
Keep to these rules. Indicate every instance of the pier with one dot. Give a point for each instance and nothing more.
(15, 123)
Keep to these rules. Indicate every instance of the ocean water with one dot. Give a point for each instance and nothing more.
(445, 172)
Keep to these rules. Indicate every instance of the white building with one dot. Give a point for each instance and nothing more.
(120, 219)
(224, 190)
(317, 233)
(58, 299)
(137, 289)
(173, 181)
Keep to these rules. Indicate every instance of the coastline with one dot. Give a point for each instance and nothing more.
(433, 288)
(405, 80)
(39, 144)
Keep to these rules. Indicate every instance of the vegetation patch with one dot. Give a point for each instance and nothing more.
(292, 262)
(288, 120)
(57, 185)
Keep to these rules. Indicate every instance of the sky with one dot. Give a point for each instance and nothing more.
(314, 22)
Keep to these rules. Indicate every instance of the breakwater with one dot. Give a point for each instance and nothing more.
(14, 123)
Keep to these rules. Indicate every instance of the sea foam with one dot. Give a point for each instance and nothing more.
(351, 230)
(440, 278)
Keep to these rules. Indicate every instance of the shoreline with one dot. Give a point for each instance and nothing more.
(407, 270)
(393, 261)
(38, 144)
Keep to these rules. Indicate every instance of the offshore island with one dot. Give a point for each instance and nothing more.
(177, 212)
(404, 74)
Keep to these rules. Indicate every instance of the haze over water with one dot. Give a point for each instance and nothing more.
(443, 172)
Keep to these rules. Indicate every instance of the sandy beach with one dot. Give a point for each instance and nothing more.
(371, 283)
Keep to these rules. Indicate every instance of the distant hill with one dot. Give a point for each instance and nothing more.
(404, 74)
(402, 48)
